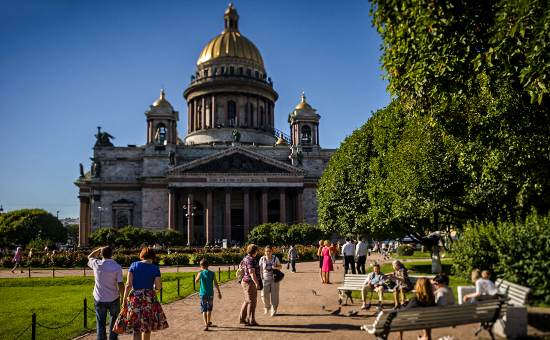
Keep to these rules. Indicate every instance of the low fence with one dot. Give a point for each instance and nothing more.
(84, 310)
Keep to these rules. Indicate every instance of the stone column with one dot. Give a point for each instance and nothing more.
(246, 191)
(248, 110)
(88, 227)
(300, 199)
(237, 110)
(228, 214)
(209, 192)
(82, 240)
(172, 209)
(257, 122)
(317, 129)
(203, 113)
(282, 205)
(190, 218)
(225, 112)
(264, 205)
(189, 117)
(213, 111)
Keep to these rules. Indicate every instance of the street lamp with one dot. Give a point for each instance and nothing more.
(99, 208)
(1, 210)
(188, 206)
(58, 214)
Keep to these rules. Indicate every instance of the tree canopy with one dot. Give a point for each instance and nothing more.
(22, 226)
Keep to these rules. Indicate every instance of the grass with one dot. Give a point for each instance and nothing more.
(417, 255)
(416, 269)
(57, 300)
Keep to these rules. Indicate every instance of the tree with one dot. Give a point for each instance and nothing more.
(22, 226)
(432, 49)
(72, 232)
(169, 238)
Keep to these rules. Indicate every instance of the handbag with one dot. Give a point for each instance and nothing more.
(240, 272)
(261, 284)
(120, 323)
(278, 275)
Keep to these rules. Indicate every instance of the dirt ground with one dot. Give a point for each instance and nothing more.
(299, 314)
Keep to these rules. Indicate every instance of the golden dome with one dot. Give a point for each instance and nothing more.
(303, 104)
(281, 141)
(161, 101)
(230, 44)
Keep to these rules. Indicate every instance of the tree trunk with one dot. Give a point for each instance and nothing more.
(436, 260)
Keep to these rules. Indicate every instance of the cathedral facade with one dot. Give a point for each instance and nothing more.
(232, 171)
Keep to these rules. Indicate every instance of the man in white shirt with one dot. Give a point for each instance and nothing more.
(109, 284)
(444, 295)
(360, 255)
(348, 249)
(374, 282)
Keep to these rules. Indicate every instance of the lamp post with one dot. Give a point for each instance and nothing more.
(187, 206)
(1, 210)
(99, 208)
(57, 214)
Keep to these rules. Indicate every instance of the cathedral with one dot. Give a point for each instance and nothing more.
(233, 170)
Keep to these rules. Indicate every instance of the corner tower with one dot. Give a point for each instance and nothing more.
(162, 122)
(230, 91)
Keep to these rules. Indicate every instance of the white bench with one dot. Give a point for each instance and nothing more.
(514, 321)
(486, 313)
(355, 282)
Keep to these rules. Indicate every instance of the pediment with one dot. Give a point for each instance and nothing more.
(236, 160)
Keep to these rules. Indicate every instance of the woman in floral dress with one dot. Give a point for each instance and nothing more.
(403, 284)
(145, 315)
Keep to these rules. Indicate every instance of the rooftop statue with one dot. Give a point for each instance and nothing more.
(81, 170)
(103, 138)
(236, 135)
(172, 156)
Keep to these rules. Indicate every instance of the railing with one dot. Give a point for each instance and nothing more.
(277, 133)
(230, 78)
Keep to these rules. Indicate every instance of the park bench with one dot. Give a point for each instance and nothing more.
(514, 321)
(355, 282)
(485, 312)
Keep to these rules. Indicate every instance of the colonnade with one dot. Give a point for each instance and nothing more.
(209, 211)
(198, 118)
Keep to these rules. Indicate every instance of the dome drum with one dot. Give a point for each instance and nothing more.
(223, 136)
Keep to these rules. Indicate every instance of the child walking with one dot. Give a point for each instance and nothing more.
(207, 279)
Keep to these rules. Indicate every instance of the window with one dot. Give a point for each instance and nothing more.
(122, 220)
(231, 112)
(215, 71)
(222, 70)
(262, 116)
(249, 72)
(232, 70)
(256, 74)
(306, 134)
(206, 73)
(160, 135)
(216, 117)
(241, 71)
(246, 115)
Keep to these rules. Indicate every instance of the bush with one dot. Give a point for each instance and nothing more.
(516, 251)
(276, 234)
(169, 238)
(405, 250)
(175, 259)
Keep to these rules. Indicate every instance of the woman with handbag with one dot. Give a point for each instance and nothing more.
(144, 313)
(270, 293)
(251, 284)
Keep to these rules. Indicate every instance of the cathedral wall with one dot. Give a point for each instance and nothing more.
(155, 166)
(314, 166)
(310, 206)
(120, 170)
(118, 152)
(155, 209)
(108, 197)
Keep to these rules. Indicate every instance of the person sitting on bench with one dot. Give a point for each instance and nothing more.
(374, 282)
(423, 297)
(485, 288)
(444, 295)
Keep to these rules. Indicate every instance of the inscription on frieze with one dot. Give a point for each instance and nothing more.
(236, 163)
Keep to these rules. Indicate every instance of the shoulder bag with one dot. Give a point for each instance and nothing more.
(240, 271)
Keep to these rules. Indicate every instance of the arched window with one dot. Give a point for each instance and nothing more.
(160, 135)
(122, 219)
(231, 111)
(273, 211)
(306, 134)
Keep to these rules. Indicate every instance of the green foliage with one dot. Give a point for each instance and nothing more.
(432, 49)
(23, 226)
(279, 234)
(517, 251)
(132, 237)
(104, 236)
(169, 238)
(405, 250)
(38, 245)
(72, 233)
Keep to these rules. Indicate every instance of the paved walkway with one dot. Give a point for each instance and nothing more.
(299, 314)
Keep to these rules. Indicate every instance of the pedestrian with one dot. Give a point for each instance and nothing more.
(292, 257)
(284, 248)
(270, 293)
(348, 249)
(145, 314)
(327, 263)
(383, 248)
(251, 285)
(31, 253)
(208, 280)
(360, 255)
(320, 258)
(109, 285)
(334, 251)
(17, 259)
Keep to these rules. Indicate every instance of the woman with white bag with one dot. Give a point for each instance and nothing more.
(270, 293)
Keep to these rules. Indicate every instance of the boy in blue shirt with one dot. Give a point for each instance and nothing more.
(207, 279)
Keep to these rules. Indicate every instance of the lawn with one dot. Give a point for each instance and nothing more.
(417, 269)
(57, 301)
(417, 255)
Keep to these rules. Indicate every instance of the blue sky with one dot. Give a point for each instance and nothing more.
(67, 67)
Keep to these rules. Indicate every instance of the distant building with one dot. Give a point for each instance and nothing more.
(233, 171)
(70, 221)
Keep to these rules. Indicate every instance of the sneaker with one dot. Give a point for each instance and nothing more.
(273, 312)
(266, 310)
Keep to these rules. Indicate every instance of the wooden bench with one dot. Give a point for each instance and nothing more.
(355, 282)
(486, 313)
(516, 294)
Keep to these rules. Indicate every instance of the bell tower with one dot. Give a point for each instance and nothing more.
(304, 126)
(162, 122)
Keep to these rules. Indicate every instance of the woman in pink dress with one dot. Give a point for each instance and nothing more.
(327, 262)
